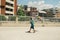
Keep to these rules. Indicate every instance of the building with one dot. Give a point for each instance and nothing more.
(8, 7)
(57, 12)
(32, 11)
(25, 7)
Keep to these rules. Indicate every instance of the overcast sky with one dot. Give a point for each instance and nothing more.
(40, 4)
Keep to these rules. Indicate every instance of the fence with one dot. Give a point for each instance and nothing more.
(24, 20)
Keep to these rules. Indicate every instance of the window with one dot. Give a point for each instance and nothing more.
(11, 9)
(8, 14)
(8, 9)
(9, 4)
(57, 12)
(11, 0)
(12, 5)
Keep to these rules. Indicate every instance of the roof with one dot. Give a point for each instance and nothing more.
(42, 12)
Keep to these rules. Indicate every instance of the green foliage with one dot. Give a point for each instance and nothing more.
(20, 11)
(12, 18)
(2, 18)
(23, 18)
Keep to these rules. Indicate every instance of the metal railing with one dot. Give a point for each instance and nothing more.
(26, 19)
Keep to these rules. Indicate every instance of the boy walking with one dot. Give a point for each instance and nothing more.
(32, 25)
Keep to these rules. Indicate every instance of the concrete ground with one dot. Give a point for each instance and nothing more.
(19, 33)
(27, 23)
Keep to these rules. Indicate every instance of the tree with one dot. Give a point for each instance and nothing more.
(20, 11)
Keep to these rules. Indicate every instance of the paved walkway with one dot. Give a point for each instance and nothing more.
(19, 33)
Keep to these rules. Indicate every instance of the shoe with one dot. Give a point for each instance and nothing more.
(34, 31)
(28, 32)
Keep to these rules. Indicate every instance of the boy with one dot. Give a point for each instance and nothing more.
(32, 25)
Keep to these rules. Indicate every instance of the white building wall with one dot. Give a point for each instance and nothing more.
(9, 12)
(28, 9)
(7, 6)
(10, 1)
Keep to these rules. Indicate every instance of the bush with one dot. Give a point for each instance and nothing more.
(23, 18)
(2, 18)
(12, 18)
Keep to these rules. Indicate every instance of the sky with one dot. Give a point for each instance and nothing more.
(53, 2)
(40, 4)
